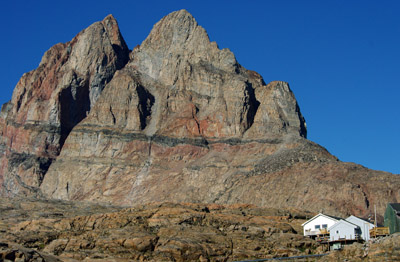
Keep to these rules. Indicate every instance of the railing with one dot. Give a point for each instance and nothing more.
(355, 237)
(379, 231)
(323, 231)
(323, 238)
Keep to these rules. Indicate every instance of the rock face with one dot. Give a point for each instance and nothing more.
(49, 101)
(182, 121)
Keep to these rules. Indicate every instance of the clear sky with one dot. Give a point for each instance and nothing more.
(341, 58)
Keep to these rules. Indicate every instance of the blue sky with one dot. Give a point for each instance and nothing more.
(341, 58)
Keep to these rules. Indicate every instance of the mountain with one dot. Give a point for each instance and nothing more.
(175, 119)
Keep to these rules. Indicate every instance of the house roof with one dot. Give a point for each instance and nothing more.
(359, 218)
(342, 221)
(320, 214)
(395, 206)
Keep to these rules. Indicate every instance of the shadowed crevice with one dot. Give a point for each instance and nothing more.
(75, 104)
(146, 101)
(252, 104)
(122, 53)
(303, 127)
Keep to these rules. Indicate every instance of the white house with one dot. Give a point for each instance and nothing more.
(364, 226)
(318, 224)
(344, 230)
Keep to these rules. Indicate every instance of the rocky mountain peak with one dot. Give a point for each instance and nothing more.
(178, 40)
(111, 27)
(175, 29)
(202, 90)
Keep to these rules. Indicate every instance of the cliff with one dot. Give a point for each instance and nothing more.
(49, 101)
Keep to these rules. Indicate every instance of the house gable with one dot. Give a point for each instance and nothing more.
(327, 217)
(319, 222)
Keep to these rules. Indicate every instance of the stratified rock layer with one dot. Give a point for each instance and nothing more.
(182, 121)
(49, 101)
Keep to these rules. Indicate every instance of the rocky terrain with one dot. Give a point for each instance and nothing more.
(382, 249)
(54, 230)
(176, 119)
(71, 231)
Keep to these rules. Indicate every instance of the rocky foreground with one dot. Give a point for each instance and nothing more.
(44, 230)
(155, 232)
(382, 249)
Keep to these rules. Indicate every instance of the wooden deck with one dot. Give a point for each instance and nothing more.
(315, 233)
(379, 231)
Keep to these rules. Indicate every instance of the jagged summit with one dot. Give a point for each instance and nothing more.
(175, 29)
(189, 88)
(176, 119)
(110, 17)
(174, 41)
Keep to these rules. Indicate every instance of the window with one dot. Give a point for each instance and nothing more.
(337, 231)
(317, 227)
(324, 226)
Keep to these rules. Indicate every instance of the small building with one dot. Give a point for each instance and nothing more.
(344, 230)
(342, 233)
(318, 225)
(364, 225)
(392, 217)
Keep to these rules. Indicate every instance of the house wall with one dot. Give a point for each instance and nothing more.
(342, 230)
(318, 221)
(392, 221)
(364, 226)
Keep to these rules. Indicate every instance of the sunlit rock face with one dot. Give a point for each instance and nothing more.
(50, 100)
(181, 121)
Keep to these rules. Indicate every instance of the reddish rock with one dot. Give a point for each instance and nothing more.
(50, 100)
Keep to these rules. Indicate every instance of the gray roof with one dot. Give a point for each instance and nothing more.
(395, 206)
(337, 218)
(363, 219)
(344, 222)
